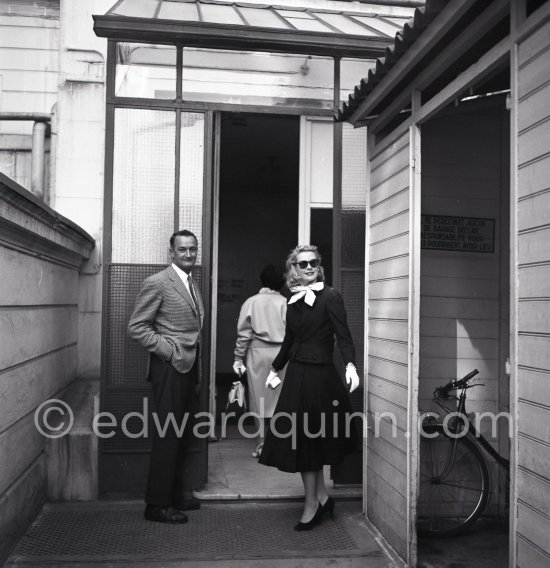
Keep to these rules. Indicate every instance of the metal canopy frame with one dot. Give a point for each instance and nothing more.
(233, 37)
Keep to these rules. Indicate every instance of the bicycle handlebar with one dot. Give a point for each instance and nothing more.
(455, 384)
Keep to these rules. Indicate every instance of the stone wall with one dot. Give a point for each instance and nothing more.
(41, 254)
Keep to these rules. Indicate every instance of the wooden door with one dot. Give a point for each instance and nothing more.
(349, 264)
(392, 327)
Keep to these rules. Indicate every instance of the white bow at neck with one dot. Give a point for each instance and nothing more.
(306, 292)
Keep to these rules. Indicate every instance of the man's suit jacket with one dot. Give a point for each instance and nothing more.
(166, 321)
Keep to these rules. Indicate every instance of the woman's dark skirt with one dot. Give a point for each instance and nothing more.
(312, 425)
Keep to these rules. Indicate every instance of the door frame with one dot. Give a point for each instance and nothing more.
(304, 208)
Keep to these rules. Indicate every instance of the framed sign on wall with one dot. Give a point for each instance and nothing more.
(460, 234)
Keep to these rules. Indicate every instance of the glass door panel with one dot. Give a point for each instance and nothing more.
(143, 185)
(191, 175)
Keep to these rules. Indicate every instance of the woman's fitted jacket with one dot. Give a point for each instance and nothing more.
(310, 331)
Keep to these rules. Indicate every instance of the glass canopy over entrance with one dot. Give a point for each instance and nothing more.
(263, 16)
(216, 24)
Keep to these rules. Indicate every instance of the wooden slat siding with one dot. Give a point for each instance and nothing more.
(391, 390)
(388, 290)
(385, 426)
(377, 493)
(533, 244)
(381, 402)
(534, 281)
(384, 368)
(436, 368)
(535, 314)
(442, 327)
(390, 227)
(533, 385)
(529, 555)
(395, 498)
(531, 516)
(533, 212)
(534, 178)
(533, 458)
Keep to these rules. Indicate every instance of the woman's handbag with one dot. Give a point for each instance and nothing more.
(236, 397)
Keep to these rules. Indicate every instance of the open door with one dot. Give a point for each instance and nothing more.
(350, 197)
(392, 387)
(159, 180)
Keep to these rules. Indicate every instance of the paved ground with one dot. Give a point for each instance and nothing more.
(484, 546)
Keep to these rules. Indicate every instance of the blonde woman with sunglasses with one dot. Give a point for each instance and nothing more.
(311, 427)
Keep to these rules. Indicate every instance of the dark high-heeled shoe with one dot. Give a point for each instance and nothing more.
(328, 507)
(314, 520)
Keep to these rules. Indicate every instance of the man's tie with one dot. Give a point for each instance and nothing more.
(192, 292)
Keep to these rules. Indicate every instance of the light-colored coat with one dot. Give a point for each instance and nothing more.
(165, 320)
(260, 332)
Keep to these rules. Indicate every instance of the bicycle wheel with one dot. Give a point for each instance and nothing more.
(454, 484)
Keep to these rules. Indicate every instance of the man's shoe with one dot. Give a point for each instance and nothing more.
(164, 515)
(187, 504)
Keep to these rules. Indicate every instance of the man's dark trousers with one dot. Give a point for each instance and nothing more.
(173, 393)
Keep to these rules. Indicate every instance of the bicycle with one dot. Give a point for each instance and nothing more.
(454, 477)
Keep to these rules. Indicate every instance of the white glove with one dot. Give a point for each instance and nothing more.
(273, 380)
(352, 378)
(239, 368)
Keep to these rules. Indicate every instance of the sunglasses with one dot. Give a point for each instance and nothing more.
(303, 263)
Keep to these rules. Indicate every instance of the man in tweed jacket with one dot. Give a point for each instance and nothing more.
(167, 321)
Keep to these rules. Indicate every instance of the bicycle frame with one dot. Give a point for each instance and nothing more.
(471, 430)
(455, 480)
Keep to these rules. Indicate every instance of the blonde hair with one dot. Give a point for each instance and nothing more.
(291, 277)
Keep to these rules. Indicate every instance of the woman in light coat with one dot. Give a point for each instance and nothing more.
(260, 332)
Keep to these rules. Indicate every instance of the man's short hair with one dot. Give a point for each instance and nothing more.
(182, 233)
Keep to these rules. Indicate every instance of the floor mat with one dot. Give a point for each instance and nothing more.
(101, 532)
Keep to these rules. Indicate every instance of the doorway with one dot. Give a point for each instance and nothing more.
(259, 162)
(465, 299)
(258, 216)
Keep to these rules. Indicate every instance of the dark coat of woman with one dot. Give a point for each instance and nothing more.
(311, 425)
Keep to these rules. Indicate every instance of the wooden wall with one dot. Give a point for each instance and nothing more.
(464, 321)
(388, 347)
(533, 224)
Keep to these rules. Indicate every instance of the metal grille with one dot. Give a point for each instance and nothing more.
(354, 169)
(354, 192)
(143, 185)
(353, 292)
(110, 532)
(124, 385)
(352, 269)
